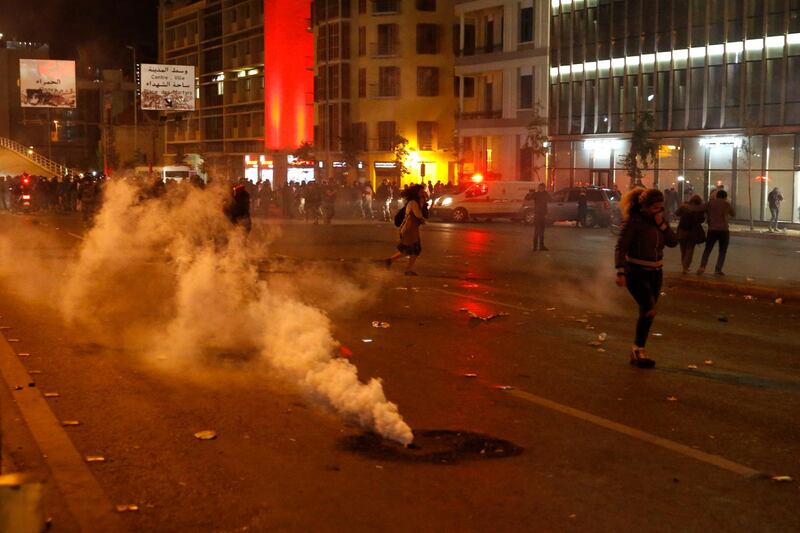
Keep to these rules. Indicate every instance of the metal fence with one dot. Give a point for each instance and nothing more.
(33, 157)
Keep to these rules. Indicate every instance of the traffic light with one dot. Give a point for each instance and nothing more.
(422, 170)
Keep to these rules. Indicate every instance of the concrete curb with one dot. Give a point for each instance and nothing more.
(756, 234)
(788, 294)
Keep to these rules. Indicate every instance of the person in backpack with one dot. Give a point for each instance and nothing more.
(691, 214)
(639, 258)
(413, 216)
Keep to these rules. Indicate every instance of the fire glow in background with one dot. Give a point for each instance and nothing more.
(288, 74)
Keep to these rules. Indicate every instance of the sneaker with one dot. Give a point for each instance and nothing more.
(545, 249)
(685, 271)
(720, 273)
(701, 270)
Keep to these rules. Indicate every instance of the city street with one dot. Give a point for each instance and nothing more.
(529, 421)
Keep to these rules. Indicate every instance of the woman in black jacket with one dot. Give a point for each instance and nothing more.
(640, 258)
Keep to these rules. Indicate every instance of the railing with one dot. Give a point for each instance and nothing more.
(37, 159)
(377, 90)
(384, 49)
(473, 115)
(385, 7)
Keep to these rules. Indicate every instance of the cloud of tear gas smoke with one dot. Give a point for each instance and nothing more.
(173, 278)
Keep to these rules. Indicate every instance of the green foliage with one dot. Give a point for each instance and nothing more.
(537, 141)
(401, 154)
(643, 151)
(304, 152)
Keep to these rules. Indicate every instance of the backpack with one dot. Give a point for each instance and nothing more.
(400, 216)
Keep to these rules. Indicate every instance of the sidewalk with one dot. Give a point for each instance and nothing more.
(771, 289)
(761, 232)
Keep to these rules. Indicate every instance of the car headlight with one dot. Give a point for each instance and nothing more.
(447, 201)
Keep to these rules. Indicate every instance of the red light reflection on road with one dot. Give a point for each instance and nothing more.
(475, 240)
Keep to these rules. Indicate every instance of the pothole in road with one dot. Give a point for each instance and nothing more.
(435, 446)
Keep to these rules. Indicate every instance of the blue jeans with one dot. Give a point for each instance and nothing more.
(773, 223)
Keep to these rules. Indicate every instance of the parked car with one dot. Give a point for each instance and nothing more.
(489, 199)
(563, 206)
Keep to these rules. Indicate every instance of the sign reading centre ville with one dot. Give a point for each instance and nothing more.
(47, 83)
(288, 75)
(167, 87)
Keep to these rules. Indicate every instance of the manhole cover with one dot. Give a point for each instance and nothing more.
(435, 446)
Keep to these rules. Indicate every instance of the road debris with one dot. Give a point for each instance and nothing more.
(470, 375)
(4, 328)
(206, 434)
(127, 508)
(658, 334)
(672, 399)
(51, 394)
(95, 459)
(19, 387)
(692, 367)
(582, 320)
(366, 341)
(70, 423)
(779, 301)
(601, 350)
(602, 337)
(551, 308)
(504, 387)
(34, 372)
(381, 325)
(722, 318)
(748, 278)
(487, 318)
(782, 479)
(748, 296)
(595, 343)
(708, 362)
(24, 354)
(344, 351)
(13, 340)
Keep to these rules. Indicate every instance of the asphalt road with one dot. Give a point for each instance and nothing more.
(584, 442)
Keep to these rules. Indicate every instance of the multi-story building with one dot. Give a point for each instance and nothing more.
(224, 40)
(383, 70)
(719, 77)
(502, 85)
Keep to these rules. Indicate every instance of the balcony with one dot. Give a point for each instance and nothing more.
(385, 7)
(384, 49)
(480, 115)
(471, 50)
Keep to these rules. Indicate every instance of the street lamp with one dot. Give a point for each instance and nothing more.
(135, 105)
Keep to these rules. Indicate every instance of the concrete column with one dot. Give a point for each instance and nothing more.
(510, 24)
(461, 35)
(509, 93)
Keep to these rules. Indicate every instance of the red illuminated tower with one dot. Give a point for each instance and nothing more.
(288, 74)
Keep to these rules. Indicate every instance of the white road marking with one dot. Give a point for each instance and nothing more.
(83, 495)
(605, 423)
(79, 237)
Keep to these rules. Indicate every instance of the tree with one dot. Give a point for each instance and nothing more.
(400, 155)
(537, 143)
(643, 151)
(351, 150)
(748, 148)
(304, 152)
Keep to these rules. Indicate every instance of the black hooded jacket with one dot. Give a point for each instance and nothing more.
(642, 242)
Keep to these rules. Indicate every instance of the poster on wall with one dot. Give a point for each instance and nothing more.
(47, 83)
(167, 87)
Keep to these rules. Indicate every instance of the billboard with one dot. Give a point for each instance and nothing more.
(167, 87)
(47, 83)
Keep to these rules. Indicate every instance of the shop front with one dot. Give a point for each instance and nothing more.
(748, 168)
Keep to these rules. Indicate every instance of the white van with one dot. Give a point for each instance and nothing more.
(488, 199)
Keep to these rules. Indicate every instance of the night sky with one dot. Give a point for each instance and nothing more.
(92, 31)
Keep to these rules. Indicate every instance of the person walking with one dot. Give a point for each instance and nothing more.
(639, 258)
(691, 216)
(774, 198)
(720, 211)
(384, 197)
(410, 241)
(540, 199)
(583, 209)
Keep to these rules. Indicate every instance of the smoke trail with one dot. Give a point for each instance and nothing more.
(173, 278)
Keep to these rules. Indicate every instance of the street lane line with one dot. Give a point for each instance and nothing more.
(643, 436)
(79, 237)
(673, 446)
(87, 503)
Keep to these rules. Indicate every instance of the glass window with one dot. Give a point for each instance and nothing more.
(427, 81)
(386, 136)
(428, 38)
(426, 5)
(526, 91)
(780, 152)
(669, 154)
(426, 133)
(589, 106)
(526, 24)
(720, 157)
(695, 154)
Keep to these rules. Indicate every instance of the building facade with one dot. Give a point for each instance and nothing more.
(502, 86)
(719, 77)
(383, 70)
(224, 40)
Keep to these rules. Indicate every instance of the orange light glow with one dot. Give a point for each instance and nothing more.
(477, 178)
